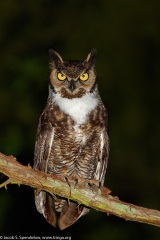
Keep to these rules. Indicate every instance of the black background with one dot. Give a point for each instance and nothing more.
(126, 35)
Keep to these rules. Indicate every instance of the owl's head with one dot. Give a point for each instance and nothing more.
(72, 78)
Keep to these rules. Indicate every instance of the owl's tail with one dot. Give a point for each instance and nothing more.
(70, 212)
(45, 205)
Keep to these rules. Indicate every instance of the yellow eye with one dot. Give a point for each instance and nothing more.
(84, 77)
(61, 76)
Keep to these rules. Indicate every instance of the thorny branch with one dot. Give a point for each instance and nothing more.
(95, 198)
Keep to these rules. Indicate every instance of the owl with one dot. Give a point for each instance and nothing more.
(72, 140)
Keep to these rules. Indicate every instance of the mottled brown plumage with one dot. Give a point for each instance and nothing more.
(72, 138)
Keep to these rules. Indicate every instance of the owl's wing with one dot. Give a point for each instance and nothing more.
(44, 202)
(103, 157)
(44, 140)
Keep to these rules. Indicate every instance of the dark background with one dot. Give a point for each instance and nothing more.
(126, 35)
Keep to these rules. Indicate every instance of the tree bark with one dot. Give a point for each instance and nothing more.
(93, 197)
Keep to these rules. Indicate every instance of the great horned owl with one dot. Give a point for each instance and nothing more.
(72, 140)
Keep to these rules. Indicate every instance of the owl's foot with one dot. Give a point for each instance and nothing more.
(67, 181)
(72, 180)
(76, 181)
(94, 185)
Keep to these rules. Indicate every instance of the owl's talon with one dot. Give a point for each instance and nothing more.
(67, 181)
(94, 185)
(68, 198)
(72, 180)
(90, 185)
(76, 183)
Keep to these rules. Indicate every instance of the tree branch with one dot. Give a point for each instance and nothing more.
(94, 198)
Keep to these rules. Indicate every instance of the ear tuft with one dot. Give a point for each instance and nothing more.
(55, 57)
(91, 58)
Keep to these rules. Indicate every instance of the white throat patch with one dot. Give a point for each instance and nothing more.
(77, 108)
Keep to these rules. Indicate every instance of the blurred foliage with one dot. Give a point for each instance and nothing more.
(127, 37)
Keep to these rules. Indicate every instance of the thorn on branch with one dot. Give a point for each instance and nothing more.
(4, 184)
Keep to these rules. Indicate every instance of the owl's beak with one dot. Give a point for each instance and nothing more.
(72, 86)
